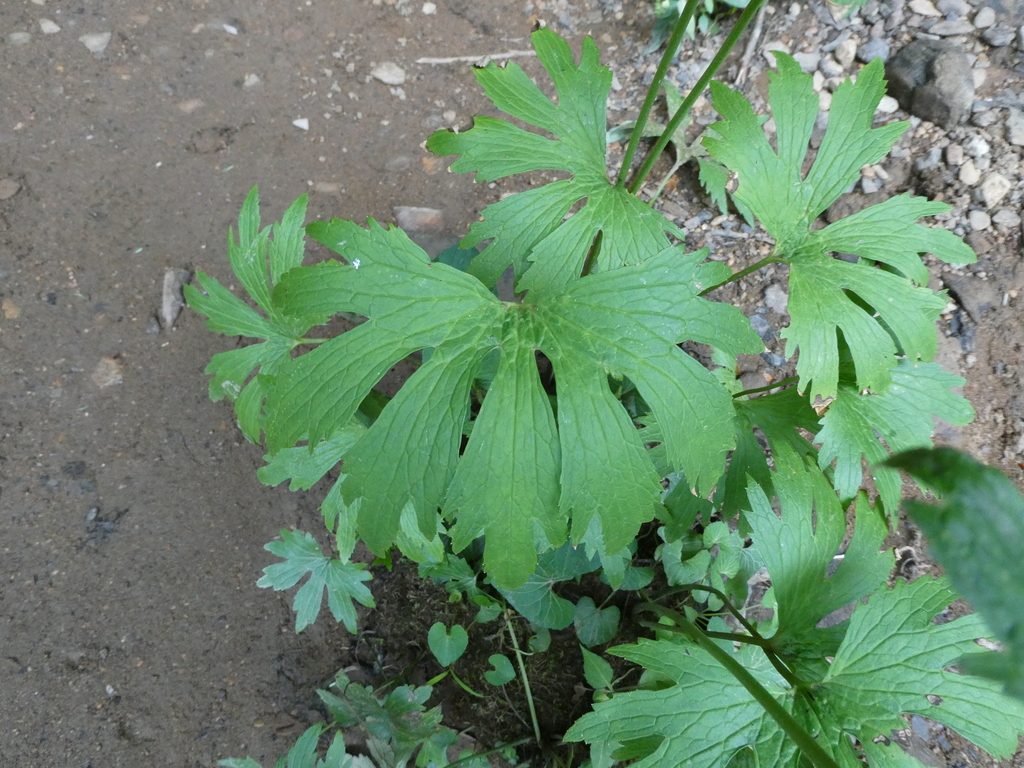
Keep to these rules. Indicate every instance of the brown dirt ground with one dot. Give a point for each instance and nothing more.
(131, 629)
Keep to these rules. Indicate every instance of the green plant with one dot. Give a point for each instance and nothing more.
(505, 487)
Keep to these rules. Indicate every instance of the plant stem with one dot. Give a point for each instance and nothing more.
(695, 92)
(526, 682)
(652, 91)
(812, 751)
(774, 385)
(743, 273)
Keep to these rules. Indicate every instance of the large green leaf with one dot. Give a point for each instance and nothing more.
(526, 230)
(894, 660)
(975, 532)
(877, 312)
(522, 478)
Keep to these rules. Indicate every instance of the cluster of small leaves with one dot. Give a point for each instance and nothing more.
(475, 451)
(399, 731)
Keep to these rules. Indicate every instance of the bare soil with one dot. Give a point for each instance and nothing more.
(133, 525)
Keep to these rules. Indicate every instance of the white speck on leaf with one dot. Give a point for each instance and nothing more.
(355, 263)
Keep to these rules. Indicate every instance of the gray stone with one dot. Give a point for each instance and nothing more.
(96, 42)
(923, 8)
(845, 52)
(929, 162)
(975, 295)
(998, 36)
(1006, 218)
(932, 80)
(873, 49)
(808, 61)
(761, 326)
(954, 155)
(955, 9)
(1015, 127)
(413, 219)
(776, 298)
(985, 18)
(870, 184)
(388, 73)
(1009, 11)
(993, 189)
(979, 220)
(969, 174)
(950, 28)
(976, 146)
(829, 67)
(984, 118)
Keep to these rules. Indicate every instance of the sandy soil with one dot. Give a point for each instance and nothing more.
(131, 629)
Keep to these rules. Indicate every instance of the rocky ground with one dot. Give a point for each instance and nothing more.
(130, 627)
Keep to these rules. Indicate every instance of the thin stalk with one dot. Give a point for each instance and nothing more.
(695, 92)
(526, 683)
(812, 751)
(652, 91)
(765, 645)
(775, 385)
(744, 272)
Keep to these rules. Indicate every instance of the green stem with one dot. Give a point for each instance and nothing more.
(743, 273)
(730, 42)
(526, 683)
(818, 756)
(776, 385)
(652, 91)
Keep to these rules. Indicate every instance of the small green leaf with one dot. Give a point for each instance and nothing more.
(305, 467)
(597, 671)
(540, 641)
(595, 626)
(447, 646)
(975, 533)
(342, 580)
(501, 671)
(902, 416)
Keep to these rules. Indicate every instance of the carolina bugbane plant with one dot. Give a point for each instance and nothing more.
(474, 449)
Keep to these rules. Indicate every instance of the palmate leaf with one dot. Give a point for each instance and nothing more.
(879, 313)
(259, 261)
(902, 416)
(342, 580)
(704, 719)
(975, 533)
(523, 476)
(894, 659)
(525, 228)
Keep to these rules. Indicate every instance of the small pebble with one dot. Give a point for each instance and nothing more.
(96, 42)
(955, 9)
(776, 299)
(1015, 127)
(985, 118)
(998, 36)
(979, 220)
(48, 27)
(984, 18)
(8, 188)
(954, 155)
(969, 173)
(870, 185)
(873, 49)
(173, 297)
(108, 372)
(302, 123)
(845, 52)
(429, 9)
(829, 67)
(888, 105)
(993, 189)
(413, 219)
(923, 8)
(1006, 218)
(950, 28)
(251, 81)
(19, 38)
(976, 146)
(808, 61)
(388, 73)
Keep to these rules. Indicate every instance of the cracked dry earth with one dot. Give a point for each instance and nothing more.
(131, 630)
